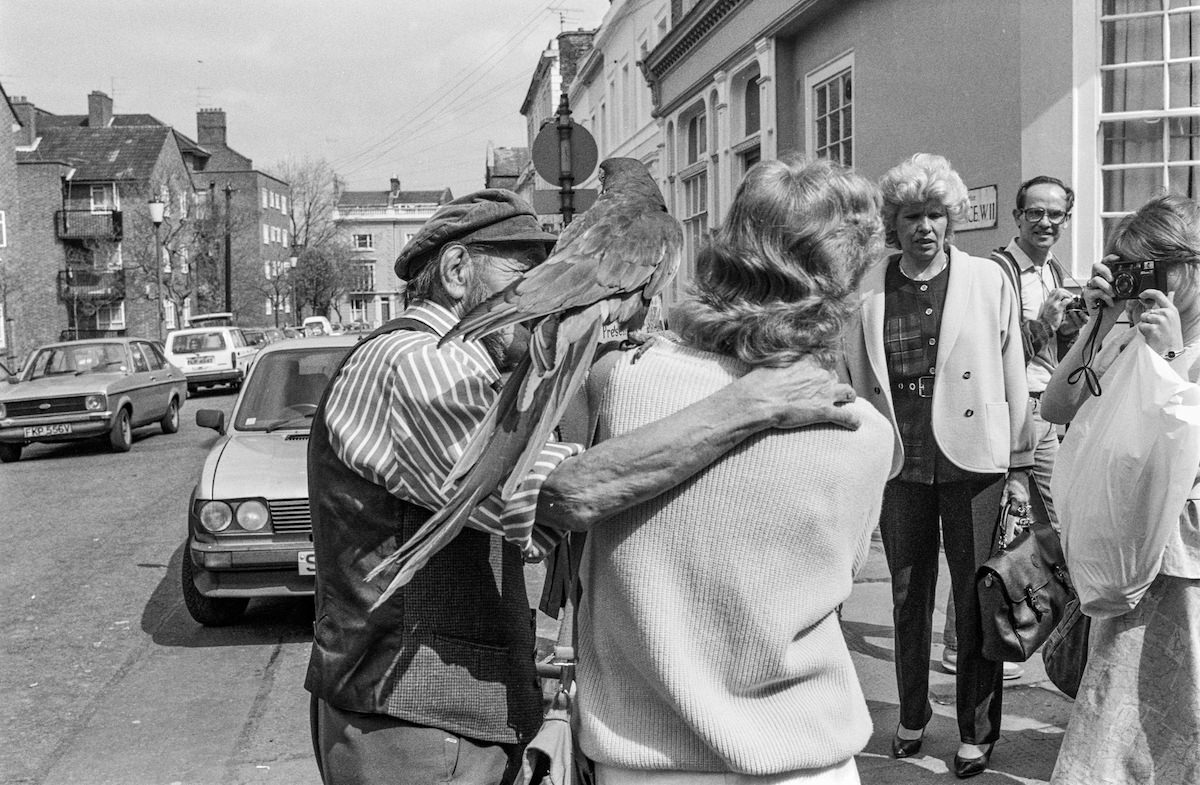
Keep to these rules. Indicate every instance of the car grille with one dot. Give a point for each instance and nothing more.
(291, 515)
(56, 406)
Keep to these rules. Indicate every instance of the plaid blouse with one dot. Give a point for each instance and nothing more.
(911, 331)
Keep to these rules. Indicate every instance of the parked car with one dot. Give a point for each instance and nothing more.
(249, 529)
(211, 355)
(261, 336)
(102, 388)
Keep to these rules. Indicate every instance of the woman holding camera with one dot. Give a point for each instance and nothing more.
(1137, 715)
(937, 349)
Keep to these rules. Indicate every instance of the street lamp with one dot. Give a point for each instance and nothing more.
(157, 207)
(293, 260)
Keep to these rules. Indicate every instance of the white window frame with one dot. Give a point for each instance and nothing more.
(265, 197)
(1159, 118)
(107, 205)
(115, 314)
(817, 78)
(266, 234)
(364, 242)
(3, 231)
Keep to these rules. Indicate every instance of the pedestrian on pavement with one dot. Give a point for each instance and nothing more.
(1136, 718)
(1050, 319)
(709, 643)
(439, 682)
(937, 349)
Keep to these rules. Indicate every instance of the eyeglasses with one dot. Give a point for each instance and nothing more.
(1036, 214)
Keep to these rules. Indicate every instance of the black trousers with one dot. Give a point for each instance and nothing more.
(375, 749)
(967, 511)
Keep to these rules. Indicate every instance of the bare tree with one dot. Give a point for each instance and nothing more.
(321, 276)
(315, 189)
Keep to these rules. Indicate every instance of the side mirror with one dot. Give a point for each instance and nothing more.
(211, 418)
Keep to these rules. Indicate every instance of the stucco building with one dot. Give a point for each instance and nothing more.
(378, 224)
(1100, 93)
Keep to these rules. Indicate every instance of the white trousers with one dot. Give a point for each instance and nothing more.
(844, 773)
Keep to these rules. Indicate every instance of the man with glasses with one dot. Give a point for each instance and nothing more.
(1050, 317)
(1050, 314)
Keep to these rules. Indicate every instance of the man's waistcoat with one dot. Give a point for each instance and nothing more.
(454, 648)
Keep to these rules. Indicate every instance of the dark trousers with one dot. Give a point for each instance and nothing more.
(375, 749)
(909, 526)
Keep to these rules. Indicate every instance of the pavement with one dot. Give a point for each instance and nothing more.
(1035, 712)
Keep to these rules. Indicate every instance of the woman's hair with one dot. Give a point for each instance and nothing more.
(923, 178)
(776, 279)
(1165, 229)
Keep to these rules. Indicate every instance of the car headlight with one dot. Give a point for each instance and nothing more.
(95, 403)
(216, 516)
(252, 515)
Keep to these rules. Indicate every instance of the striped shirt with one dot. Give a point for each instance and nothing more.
(402, 411)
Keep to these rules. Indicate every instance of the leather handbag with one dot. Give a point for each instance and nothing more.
(1023, 591)
(1065, 652)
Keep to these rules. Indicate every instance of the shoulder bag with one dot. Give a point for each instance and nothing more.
(1023, 590)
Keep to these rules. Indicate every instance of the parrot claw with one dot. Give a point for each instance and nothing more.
(640, 342)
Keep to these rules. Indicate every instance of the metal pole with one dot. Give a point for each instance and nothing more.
(228, 250)
(566, 177)
(162, 317)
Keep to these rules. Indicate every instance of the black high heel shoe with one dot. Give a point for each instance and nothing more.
(904, 748)
(969, 767)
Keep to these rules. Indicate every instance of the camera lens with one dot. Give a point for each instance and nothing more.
(1124, 285)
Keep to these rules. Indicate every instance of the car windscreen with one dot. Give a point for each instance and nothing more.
(285, 387)
(193, 343)
(77, 359)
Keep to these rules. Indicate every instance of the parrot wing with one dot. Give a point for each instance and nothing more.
(624, 249)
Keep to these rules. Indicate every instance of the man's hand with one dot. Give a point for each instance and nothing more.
(1157, 319)
(799, 394)
(1054, 308)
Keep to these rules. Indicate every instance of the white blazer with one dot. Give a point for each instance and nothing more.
(980, 395)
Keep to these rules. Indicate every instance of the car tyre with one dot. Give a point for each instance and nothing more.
(120, 438)
(209, 611)
(170, 420)
(10, 453)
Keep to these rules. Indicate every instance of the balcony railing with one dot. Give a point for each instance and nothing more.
(86, 225)
(81, 283)
(84, 333)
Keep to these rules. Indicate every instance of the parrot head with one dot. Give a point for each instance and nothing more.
(627, 175)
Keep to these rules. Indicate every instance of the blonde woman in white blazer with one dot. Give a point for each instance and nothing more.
(936, 347)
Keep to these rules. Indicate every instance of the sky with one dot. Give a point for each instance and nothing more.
(378, 88)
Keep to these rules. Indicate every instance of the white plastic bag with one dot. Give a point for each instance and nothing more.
(1122, 476)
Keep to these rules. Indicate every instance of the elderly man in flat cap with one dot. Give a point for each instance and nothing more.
(439, 683)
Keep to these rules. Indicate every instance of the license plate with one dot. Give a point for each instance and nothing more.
(200, 360)
(47, 430)
(307, 562)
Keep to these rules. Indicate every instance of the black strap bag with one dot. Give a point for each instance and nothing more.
(1023, 590)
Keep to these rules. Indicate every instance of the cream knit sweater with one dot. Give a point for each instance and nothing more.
(708, 639)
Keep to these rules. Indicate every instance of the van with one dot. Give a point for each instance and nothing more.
(210, 356)
(317, 325)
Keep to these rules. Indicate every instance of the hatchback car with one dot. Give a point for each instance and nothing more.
(211, 355)
(83, 389)
(249, 528)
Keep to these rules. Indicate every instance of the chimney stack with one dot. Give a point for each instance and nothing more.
(100, 108)
(27, 114)
(210, 127)
(395, 185)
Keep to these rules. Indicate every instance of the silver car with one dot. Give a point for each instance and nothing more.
(103, 388)
(249, 528)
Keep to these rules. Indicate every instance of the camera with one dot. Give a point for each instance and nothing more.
(1132, 278)
(1076, 304)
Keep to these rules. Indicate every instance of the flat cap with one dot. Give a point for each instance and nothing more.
(493, 215)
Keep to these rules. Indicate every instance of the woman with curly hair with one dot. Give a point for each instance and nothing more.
(936, 347)
(709, 644)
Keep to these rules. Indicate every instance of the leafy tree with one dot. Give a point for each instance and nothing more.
(322, 276)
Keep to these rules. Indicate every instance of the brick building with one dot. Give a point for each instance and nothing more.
(86, 247)
(260, 220)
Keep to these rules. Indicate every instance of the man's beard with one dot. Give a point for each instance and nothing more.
(506, 346)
